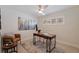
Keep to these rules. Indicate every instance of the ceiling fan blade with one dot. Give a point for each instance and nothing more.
(42, 6)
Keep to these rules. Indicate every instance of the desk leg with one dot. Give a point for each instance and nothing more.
(17, 48)
(55, 42)
(50, 45)
(34, 40)
(47, 45)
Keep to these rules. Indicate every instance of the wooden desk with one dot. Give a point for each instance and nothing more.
(48, 37)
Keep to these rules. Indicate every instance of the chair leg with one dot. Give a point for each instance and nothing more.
(1, 50)
(43, 41)
(20, 41)
(17, 48)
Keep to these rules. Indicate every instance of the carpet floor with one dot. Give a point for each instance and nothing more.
(40, 47)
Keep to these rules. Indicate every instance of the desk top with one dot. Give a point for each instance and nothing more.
(45, 35)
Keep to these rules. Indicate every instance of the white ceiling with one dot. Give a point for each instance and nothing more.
(32, 9)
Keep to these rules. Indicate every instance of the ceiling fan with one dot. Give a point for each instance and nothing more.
(41, 9)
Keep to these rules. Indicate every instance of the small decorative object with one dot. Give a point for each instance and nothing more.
(39, 31)
(36, 27)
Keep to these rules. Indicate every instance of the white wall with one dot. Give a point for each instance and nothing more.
(67, 33)
(9, 21)
(0, 42)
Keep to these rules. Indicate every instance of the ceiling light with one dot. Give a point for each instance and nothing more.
(41, 9)
(41, 12)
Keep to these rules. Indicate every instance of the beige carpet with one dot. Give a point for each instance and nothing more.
(28, 47)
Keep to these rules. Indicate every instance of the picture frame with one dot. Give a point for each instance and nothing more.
(26, 24)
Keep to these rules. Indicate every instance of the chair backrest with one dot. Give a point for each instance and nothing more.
(7, 39)
(17, 35)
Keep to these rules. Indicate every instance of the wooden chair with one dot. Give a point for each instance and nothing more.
(17, 37)
(8, 44)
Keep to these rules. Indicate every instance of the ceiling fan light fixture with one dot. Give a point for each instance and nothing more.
(40, 11)
(43, 13)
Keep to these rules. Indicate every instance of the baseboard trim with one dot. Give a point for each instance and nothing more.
(69, 44)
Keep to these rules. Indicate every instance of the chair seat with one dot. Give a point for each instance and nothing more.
(9, 47)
